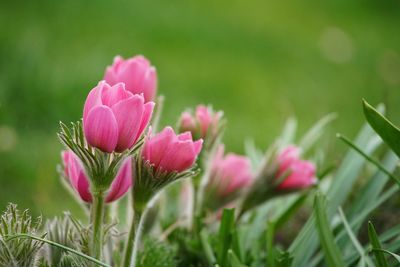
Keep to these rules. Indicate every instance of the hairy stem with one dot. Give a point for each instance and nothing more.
(97, 217)
(131, 240)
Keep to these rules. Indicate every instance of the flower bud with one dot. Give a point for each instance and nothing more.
(299, 173)
(229, 175)
(75, 172)
(204, 124)
(168, 152)
(114, 118)
(137, 74)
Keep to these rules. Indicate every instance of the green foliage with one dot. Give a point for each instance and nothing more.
(18, 252)
(157, 254)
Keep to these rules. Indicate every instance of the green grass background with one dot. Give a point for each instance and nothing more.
(259, 61)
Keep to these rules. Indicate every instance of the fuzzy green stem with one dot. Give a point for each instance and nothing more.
(97, 217)
(131, 240)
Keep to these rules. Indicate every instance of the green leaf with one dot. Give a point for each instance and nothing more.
(234, 260)
(207, 247)
(370, 159)
(306, 243)
(376, 245)
(397, 257)
(329, 247)
(386, 130)
(364, 259)
(310, 138)
(225, 235)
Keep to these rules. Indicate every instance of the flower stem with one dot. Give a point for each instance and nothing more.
(97, 216)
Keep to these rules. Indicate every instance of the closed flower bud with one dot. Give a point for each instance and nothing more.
(168, 152)
(75, 172)
(137, 74)
(114, 118)
(205, 123)
(296, 173)
(230, 174)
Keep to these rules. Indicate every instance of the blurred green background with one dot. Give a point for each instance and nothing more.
(259, 61)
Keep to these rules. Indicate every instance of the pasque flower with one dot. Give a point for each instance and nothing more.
(75, 172)
(137, 74)
(229, 173)
(114, 118)
(204, 123)
(169, 152)
(299, 173)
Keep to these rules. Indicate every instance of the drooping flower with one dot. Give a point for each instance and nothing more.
(299, 173)
(137, 74)
(205, 123)
(75, 172)
(114, 118)
(169, 152)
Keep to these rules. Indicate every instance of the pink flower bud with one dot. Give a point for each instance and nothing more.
(300, 173)
(78, 179)
(204, 124)
(229, 174)
(137, 74)
(114, 118)
(169, 152)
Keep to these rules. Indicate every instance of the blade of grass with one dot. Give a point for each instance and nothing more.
(353, 238)
(225, 235)
(376, 245)
(332, 253)
(386, 129)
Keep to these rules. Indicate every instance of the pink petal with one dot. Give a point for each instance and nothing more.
(185, 136)
(155, 147)
(204, 117)
(178, 157)
(147, 113)
(197, 146)
(83, 188)
(149, 84)
(101, 129)
(128, 114)
(115, 94)
(94, 98)
(122, 181)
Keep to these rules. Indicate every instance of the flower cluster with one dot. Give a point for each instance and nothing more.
(110, 153)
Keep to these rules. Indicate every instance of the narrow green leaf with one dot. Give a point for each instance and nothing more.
(310, 138)
(364, 260)
(329, 247)
(234, 260)
(386, 130)
(376, 245)
(208, 251)
(370, 159)
(225, 235)
(397, 257)
(59, 246)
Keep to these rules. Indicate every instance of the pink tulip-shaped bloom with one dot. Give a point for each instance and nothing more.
(230, 173)
(114, 118)
(169, 152)
(137, 74)
(299, 173)
(75, 172)
(204, 122)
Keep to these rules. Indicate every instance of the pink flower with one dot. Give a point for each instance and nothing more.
(229, 174)
(205, 122)
(300, 173)
(137, 74)
(78, 179)
(114, 118)
(169, 152)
